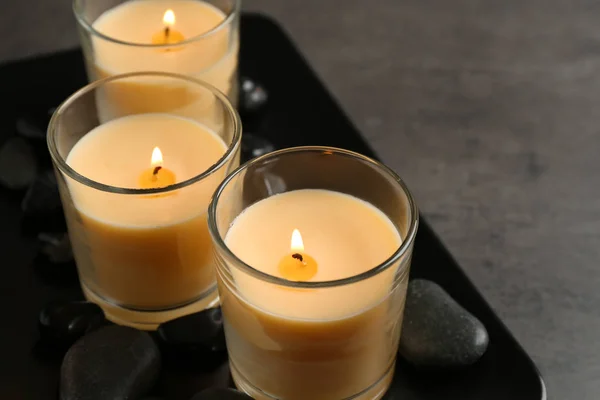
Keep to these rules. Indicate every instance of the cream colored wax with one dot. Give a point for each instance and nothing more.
(319, 343)
(152, 251)
(211, 58)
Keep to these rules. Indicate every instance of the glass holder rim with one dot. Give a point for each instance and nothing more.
(229, 18)
(65, 168)
(395, 257)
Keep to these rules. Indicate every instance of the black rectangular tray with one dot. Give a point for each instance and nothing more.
(299, 112)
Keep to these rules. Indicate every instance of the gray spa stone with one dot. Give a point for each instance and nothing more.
(221, 394)
(115, 362)
(17, 164)
(437, 332)
(63, 323)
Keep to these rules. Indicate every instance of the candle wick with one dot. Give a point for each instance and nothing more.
(156, 169)
(167, 31)
(298, 257)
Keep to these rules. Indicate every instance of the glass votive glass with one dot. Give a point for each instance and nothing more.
(320, 319)
(198, 38)
(135, 192)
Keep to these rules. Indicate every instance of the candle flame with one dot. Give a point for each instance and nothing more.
(169, 18)
(297, 244)
(157, 158)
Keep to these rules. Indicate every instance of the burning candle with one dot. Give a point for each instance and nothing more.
(318, 316)
(300, 344)
(135, 192)
(188, 37)
(146, 251)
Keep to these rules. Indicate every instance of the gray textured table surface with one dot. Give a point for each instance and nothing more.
(489, 110)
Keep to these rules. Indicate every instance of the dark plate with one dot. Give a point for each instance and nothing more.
(299, 112)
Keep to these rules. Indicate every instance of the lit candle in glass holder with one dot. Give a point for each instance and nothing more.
(317, 318)
(135, 191)
(189, 37)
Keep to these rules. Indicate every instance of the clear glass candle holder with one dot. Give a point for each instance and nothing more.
(137, 221)
(312, 338)
(198, 38)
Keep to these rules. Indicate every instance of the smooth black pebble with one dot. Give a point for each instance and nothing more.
(63, 323)
(114, 362)
(42, 196)
(253, 96)
(17, 164)
(56, 247)
(255, 146)
(54, 262)
(41, 206)
(199, 332)
(437, 332)
(221, 394)
(33, 125)
(182, 377)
